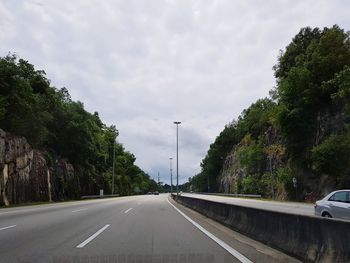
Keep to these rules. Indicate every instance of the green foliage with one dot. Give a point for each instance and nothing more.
(339, 87)
(254, 121)
(280, 180)
(332, 157)
(52, 122)
(257, 118)
(309, 111)
(25, 98)
(251, 184)
(313, 57)
(3, 104)
(294, 50)
(267, 183)
(211, 165)
(237, 186)
(251, 157)
(284, 179)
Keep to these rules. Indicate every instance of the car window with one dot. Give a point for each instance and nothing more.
(339, 197)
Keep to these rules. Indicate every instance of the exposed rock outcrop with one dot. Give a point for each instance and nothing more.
(329, 122)
(311, 185)
(40, 179)
(64, 182)
(233, 172)
(16, 157)
(26, 175)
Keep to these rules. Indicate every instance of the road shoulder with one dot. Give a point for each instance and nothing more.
(254, 250)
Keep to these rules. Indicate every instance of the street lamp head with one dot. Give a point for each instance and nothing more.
(177, 122)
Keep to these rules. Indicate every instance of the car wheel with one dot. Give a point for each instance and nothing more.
(326, 215)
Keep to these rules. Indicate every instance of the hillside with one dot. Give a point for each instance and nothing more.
(295, 144)
(51, 148)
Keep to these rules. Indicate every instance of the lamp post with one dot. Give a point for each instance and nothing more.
(171, 175)
(113, 167)
(177, 156)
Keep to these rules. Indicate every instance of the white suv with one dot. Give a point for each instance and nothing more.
(335, 204)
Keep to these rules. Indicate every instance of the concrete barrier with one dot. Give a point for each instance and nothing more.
(310, 239)
(97, 196)
(230, 195)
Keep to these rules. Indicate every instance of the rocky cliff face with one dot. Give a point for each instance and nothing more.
(273, 149)
(63, 180)
(329, 122)
(16, 158)
(233, 171)
(26, 175)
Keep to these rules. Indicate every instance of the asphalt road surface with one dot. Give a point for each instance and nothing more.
(145, 228)
(285, 207)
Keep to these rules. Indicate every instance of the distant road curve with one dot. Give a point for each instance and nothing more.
(285, 207)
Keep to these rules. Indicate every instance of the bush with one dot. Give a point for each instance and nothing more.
(267, 182)
(284, 178)
(251, 184)
(332, 157)
(251, 157)
(281, 181)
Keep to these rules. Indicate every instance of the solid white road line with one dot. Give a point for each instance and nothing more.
(79, 210)
(221, 243)
(127, 210)
(83, 244)
(7, 227)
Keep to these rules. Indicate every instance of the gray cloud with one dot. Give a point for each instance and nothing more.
(144, 64)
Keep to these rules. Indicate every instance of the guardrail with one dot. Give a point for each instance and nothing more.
(232, 195)
(97, 196)
(308, 238)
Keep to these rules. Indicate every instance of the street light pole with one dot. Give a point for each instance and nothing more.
(113, 167)
(171, 175)
(177, 156)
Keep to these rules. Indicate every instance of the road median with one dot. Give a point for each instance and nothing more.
(310, 239)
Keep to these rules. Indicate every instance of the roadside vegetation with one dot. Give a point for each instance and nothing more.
(299, 133)
(58, 126)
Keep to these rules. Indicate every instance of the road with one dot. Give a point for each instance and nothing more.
(125, 229)
(285, 207)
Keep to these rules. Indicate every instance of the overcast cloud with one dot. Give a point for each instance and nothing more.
(144, 64)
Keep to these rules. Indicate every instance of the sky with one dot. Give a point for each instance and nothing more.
(143, 64)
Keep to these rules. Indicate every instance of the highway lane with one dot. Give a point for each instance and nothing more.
(285, 207)
(127, 229)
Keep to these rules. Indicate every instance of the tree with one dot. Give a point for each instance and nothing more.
(332, 157)
(313, 57)
(60, 127)
(24, 99)
(308, 118)
(211, 165)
